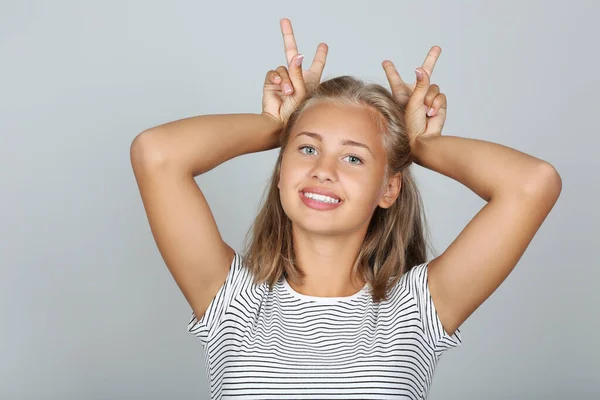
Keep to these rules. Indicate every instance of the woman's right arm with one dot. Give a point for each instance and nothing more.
(165, 160)
(198, 144)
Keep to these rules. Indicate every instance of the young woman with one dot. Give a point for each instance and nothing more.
(333, 296)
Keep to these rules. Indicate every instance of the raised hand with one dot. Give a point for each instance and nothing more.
(285, 87)
(312, 76)
(402, 90)
(424, 106)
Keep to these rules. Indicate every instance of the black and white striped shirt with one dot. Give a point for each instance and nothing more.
(280, 344)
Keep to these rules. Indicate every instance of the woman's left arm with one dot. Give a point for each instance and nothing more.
(488, 169)
(520, 191)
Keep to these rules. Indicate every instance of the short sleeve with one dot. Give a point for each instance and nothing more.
(237, 279)
(432, 326)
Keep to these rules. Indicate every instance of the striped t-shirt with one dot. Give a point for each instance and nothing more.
(280, 344)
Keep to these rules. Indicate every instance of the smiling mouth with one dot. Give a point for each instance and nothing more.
(321, 198)
(322, 203)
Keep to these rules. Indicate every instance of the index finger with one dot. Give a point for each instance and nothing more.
(431, 59)
(289, 42)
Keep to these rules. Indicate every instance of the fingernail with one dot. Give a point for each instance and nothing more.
(430, 112)
(419, 74)
(287, 88)
(299, 60)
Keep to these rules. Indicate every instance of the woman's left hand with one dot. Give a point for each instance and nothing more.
(424, 106)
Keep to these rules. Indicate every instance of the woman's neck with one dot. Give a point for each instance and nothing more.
(327, 261)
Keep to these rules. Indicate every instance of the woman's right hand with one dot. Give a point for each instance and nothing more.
(285, 88)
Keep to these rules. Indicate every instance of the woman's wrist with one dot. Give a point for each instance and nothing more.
(417, 147)
(274, 129)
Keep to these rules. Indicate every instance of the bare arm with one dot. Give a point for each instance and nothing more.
(488, 169)
(198, 144)
(165, 160)
(520, 190)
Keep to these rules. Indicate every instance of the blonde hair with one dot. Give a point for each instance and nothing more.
(395, 239)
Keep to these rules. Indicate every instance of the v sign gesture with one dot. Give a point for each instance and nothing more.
(402, 90)
(312, 76)
(424, 106)
(286, 87)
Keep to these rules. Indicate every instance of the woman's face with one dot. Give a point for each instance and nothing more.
(337, 151)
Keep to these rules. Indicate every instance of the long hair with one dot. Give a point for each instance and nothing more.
(395, 240)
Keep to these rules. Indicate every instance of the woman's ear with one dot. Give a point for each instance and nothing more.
(391, 191)
(278, 172)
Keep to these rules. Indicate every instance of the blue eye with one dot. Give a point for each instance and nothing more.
(360, 161)
(306, 147)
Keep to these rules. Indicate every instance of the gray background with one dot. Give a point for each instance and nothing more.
(88, 309)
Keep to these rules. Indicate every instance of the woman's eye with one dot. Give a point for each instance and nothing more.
(307, 147)
(354, 160)
(357, 160)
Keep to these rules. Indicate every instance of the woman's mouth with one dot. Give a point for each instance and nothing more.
(319, 202)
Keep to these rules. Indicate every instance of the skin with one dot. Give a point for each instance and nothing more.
(326, 243)
(520, 190)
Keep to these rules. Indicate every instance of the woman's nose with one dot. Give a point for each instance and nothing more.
(325, 169)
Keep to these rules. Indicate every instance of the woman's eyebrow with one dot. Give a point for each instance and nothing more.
(343, 142)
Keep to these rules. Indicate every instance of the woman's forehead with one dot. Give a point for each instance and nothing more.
(328, 120)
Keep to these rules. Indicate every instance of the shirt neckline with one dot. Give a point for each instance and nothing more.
(318, 299)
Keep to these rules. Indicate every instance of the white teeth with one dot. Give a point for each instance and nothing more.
(320, 197)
